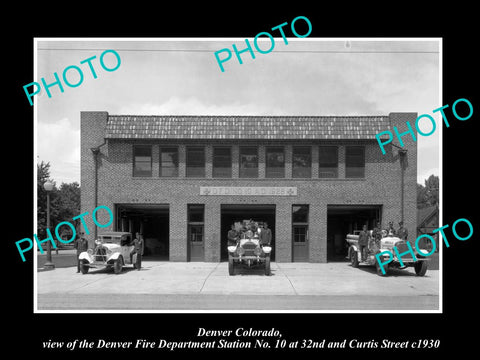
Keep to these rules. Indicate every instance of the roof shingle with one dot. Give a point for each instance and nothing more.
(245, 127)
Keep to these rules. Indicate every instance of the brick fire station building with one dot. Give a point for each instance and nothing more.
(183, 180)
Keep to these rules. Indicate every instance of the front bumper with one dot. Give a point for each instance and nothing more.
(247, 257)
(248, 260)
(98, 265)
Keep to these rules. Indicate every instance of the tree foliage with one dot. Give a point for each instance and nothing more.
(428, 194)
(64, 202)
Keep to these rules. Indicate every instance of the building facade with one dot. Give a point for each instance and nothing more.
(182, 181)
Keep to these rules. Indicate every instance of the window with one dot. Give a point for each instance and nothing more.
(196, 233)
(195, 214)
(300, 233)
(222, 162)
(248, 162)
(328, 162)
(300, 214)
(275, 162)
(142, 160)
(355, 162)
(195, 162)
(196, 223)
(168, 162)
(302, 162)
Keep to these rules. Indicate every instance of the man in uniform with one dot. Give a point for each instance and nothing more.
(232, 236)
(81, 244)
(139, 247)
(402, 233)
(377, 235)
(265, 235)
(363, 242)
(391, 231)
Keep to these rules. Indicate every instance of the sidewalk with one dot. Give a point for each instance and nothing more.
(288, 279)
(64, 258)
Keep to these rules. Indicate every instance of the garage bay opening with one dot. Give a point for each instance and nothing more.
(238, 213)
(346, 219)
(150, 220)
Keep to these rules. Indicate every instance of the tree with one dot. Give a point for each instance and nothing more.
(43, 175)
(428, 195)
(68, 203)
(64, 202)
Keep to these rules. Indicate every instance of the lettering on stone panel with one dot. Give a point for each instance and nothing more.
(248, 190)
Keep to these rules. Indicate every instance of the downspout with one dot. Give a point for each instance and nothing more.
(402, 156)
(95, 152)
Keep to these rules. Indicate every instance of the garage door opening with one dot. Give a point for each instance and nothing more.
(153, 221)
(343, 220)
(233, 213)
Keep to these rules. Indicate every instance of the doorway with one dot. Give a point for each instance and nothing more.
(152, 221)
(239, 212)
(300, 238)
(347, 219)
(196, 232)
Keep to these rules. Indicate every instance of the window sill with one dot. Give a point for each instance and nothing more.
(244, 179)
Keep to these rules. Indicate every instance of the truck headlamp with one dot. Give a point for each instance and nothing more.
(240, 251)
(267, 249)
(90, 252)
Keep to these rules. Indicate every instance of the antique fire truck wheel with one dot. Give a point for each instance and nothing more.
(421, 268)
(354, 258)
(379, 269)
(117, 265)
(83, 266)
(267, 266)
(231, 267)
(138, 264)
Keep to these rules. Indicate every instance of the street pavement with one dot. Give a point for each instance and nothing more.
(198, 286)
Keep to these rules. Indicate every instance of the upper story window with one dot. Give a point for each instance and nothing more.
(327, 162)
(355, 162)
(275, 162)
(222, 162)
(142, 160)
(302, 162)
(168, 162)
(248, 162)
(195, 161)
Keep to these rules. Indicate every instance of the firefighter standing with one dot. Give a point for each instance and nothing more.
(402, 232)
(377, 234)
(232, 236)
(81, 244)
(391, 231)
(265, 235)
(363, 242)
(139, 247)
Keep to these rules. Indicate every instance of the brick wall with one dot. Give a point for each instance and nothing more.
(92, 127)
(116, 185)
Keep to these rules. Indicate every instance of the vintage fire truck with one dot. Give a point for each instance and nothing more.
(386, 243)
(112, 250)
(248, 250)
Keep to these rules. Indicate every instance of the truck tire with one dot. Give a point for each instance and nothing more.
(83, 266)
(231, 267)
(379, 268)
(138, 264)
(421, 268)
(354, 258)
(117, 265)
(267, 266)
